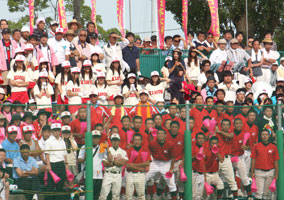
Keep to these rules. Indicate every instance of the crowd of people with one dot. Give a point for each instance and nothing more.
(137, 123)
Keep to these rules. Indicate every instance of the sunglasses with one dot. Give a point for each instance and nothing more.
(83, 35)
(176, 40)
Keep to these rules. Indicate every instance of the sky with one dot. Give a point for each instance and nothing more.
(140, 15)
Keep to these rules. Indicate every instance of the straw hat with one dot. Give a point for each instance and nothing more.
(74, 21)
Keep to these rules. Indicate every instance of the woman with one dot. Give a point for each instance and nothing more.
(202, 78)
(3, 125)
(165, 69)
(97, 66)
(74, 91)
(157, 87)
(131, 90)
(61, 83)
(86, 80)
(42, 120)
(102, 88)
(192, 65)
(175, 63)
(19, 80)
(44, 66)
(176, 88)
(43, 92)
(114, 78)
(6, 109)
(256, 59)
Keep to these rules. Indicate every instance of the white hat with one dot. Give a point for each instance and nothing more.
(222, 41)
(117, 95)
(66, 128)
(43, 74)
(115, 135)
(40, 20)
(53, 23)
(96, 133)
(66, 64)
(75, 70)
(87, 63)
(143, 92)
(92, 92)
(147, 39)
(2, 91)
(28, 128)
(43, 60)
(155, 73)
(20, 58)
(59, 30)
(12, 128)
(64, 114)
(19, 50)
(29, 46)
(101, 75)
(31, 101)
(55, 126)
(168, 58)
(115, 59)
(282, 59)
(25, 29)
(276, 63)
(95, 52)
(279, 78)
(131, 75)
(248, 80)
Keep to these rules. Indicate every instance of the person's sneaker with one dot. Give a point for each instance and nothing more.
(35, 197)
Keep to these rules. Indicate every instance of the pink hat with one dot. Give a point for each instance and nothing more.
(43, 74)
(87, 63)
(40, 20)
(29, 47)
(101, 75)
(20, 58)
(43, 60)
(115, 59)
(66, 64)
(28, 128)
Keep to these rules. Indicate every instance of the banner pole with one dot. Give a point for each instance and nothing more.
(188, 156)
(280, 181)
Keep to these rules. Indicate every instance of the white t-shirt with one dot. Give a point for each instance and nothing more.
(157, 92)
(53, 144)
(61, 48)
(96, 48)
(18, 76)
(119, 153)
(114, 89)
(99, 67)
(132, 99)
(74, 88)
(36, 74)
(192, 70)
(86, 85)
(202, 79)
(102, 93)
(63, 86)
(44, 100)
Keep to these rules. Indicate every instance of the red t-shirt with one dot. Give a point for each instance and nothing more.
(163, 152)
(178, 142)
(7, 45)
(253, 130)
(237, 143)
(225, 144)
(198, 116)
(138, 159)
(213, 114)
(264, 156)
(99, 113)
(211, 161)
(198, 165)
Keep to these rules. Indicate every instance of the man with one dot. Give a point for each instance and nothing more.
(40, 26)
(198, 112)
(172, 113)
(130, 54)
(118, 111)
(74, 25)
(163, 154)
(212, 113)
(91, 29)
(177, 44)
(113, 162)
(154, 42)
(61, 48)
(268, 35)
(243, 112)
(26, 172)
(228, 36)
(273, 77)
(219, 56)
(98, 157)
(65, 118)
(83, 47)
(16, 36)
(280, 70)
(238, 148)
(264, 165)
(2, 163)
(93, 37)
(48, 51)
(25, 33)
(139, 159)
(46, 133)
(182, 121)
(3, 25)
(229, 86)
(168, 42)
(250, 40)
(201, 44)
(126, 123)
(12, 148)
(53, 26)
(56, 160)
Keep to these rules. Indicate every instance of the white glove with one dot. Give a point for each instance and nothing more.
(62, 97)
(80, 94)
(103, 98)
(138, 73)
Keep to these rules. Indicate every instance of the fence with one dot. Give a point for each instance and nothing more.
(88, 117)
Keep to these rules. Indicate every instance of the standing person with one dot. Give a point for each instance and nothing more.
(268, 35)
(229, 86)
(25, 33)
(86, 80)
(74, 53)
(256, 59)
(53, 26)
(16, 36)
(101, 87)
(228, 36)
(3, 24)
(56, 160)
(136, 167)
(83, 47)
(114, 161)
(40, 27)
(131, 90)
(61, 81)
(264, 166)
(163, 154)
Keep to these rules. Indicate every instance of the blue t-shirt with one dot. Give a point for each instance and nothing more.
(24, 166)
(13, 147)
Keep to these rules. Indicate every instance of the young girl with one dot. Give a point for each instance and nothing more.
(74, 91)
(175, 63)
(101, 87)
(19, 80)
(165, 69)
(114, 78)
(131, 90)
(96, 63)
(61, 83)
(192, 65)
(3, 125)
(6, 110)
(86, 80)
(156, 87)
(43, 92)
(44, 66)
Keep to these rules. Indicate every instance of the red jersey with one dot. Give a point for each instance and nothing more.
(212, 162)
(198, 116)
(213, 114)
(237, 143)
(138, 159)
(99, 113)
(123, 138)
(182, 125)
(173, 118)
(253, 130)
(178, 141)
(79, 127)
(264, 155)
(144, 112)
(198, 165)
(231, 118)
(219, 119)
(117, 113)
(162, 152)
(242, 117)
(225, 144)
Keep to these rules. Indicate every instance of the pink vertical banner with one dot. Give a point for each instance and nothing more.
(120, 8)
(215, 27)
(94, 16)
(62, 15)
(32, 15)
(185, 17)
(161, 6)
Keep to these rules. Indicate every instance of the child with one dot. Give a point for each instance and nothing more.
(44, 65)
(97, 66)
(131, 91)
(86, 80)
(101, 87)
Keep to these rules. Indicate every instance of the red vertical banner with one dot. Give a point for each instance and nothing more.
(32, 15)
(185, 17)
(215, 27)
(119, 5)
(161, 21)
(62, 15)
(94, 16)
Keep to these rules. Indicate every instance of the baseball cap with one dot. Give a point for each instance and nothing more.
(59, 30)
(147, 39)
(31, 101)
(117, 95)
(282, 59)
(12, 129)
(19, 50)
(93, 93)
(115, 136)
(276, 63)
(222, 41)
(87, 63)
(168, 58)
(55, 126)
(155, 73)
(248, 80)
(143, 92)
(93, 35)
(65, 114)
(211, 78)
(20, 58)
(6, 31)
(234, 40)
(54, 23)
(66, 64)
(2, 91)
(115, 59)
(75, 70)
(25, 29)
(43, 74)
(101, 75)
(279, 79)
(43, 60)
(28, 128)
(96, 133)
(40, 20)
(131, 75)
(66, 129)
(28, 47)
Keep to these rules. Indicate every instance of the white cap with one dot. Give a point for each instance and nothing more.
(28, 128)
(53, 23)
(95, 52)
(66, 64)
(29, 46)
(115, 135)
(276, 63)
(20, 58)
(55, 126)
(25, 29)
(131, 75)
(43, 74)
(59, 30)
(147, 39)
(279, 78)
(75, 70)
(2, 91)
(168, 58)
(12, 128)
(155, 73)
(117, 95)
(43, 60)
(115, 59)
(96, 133)
(87, 63)
(92, 92)
(282, 59)
(19, 50)
(40, 20)
(248, 80)
(31, 101)
(143, 92)
(66, 128)
(64, 114)
(101, 75)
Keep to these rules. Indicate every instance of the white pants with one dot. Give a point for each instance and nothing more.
(226, 171)
(266, 75)
(214, 179)
(242, 170)
(197, 186)
(247, 160)
(263, 180)
(111, 182)
(161, 167)
(135, 181)
(180, 185)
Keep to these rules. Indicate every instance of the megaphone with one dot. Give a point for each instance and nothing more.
(69, 175)
(208, 188)
(235, 159)
(183, 176)
(206, 123)
(169, 175)
(215, 149)
(253, 185)
(45, 177)
(55, 178)
(200, 155)
(272, 186)
(246, 137)
(129, 136)
(154, 131)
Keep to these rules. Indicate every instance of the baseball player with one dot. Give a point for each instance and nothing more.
(116, 158)
(163, 154)
(264, 165)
